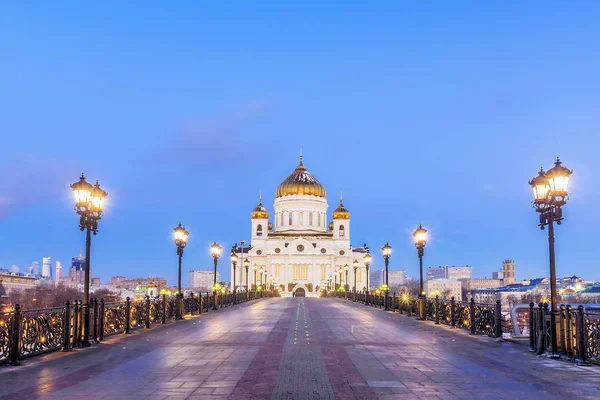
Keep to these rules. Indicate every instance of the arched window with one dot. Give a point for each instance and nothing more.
(259, 230)
(342, 233)
(310, 219)
(319, 220)
(281, 222)
(290, 219)
(300, 217)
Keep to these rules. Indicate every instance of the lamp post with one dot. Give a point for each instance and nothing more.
(420, 236)
(215, 250)
(387, 252)
(549, 196)
(255, 268)
(355, 267)
(271, 282)
(181, 237)
(261, 273)
(367, 261)
(329, 282)
(88, 204)
(247, 267)
(346, 286)
(234, 260)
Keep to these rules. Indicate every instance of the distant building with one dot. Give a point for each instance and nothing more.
(484, 284)
(436, 273)
(3, 294)
(459, 273)
(498, 275)
(95, 281)
(59, 273)
(117, 280)
(46, 267)
(397, 278)
(508, 272)
(77, 270)
(376, 278)
(135, 283)
(35, 268)
(14, 282)
(445, 288)
(203, 279)
(14, 269)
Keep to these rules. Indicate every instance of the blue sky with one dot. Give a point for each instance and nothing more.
(434, 113)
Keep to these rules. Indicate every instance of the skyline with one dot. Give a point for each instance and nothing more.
(434, 116)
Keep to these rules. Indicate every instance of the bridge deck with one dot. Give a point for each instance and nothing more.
(299, 348)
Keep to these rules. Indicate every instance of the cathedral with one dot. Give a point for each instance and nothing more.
(295, 248)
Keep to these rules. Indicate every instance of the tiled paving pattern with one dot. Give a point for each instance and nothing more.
(299, 348)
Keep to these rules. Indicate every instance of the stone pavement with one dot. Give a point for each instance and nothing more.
(299, 348)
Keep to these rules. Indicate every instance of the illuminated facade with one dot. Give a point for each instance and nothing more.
(298, 248)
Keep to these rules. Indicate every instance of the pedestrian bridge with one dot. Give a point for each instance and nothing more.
(292, 348)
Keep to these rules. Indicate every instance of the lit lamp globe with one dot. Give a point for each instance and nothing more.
(234, 258)
(367, 259)
(215, 250)
(246, 263)
(387, 250)
(82, 191)
(97, 197)
(181, 235)
(420, 236)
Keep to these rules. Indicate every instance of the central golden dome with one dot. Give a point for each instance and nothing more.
(301, 182)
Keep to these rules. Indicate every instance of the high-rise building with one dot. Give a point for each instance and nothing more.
(35, 268)
(497, 275)
(396, 278)
(202, 279)
(95, 281)
(46, 267)
(435, 273)
(508, 272)
(58, 273)
(77, 270)
(29, 270)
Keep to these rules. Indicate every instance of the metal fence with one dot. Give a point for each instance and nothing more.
(25, 333)
(579, 332)
(478, 318)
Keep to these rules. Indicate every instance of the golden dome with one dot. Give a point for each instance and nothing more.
(331, 226)
(270, 226)
(301, 182)
(152, 285)
(260, 212)
(341, 212)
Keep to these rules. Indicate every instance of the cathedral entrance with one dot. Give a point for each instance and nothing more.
(300, 292)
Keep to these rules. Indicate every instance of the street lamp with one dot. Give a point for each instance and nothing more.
(271, 281)
(88, 204)
(367, 261)
(255, 268)
(355, 267)
(262, 272)
(420, 236)
(234, 260)
(549, 196)
(346, 286)
(181, 237)
(247, 266)
(215, 250)
(329, 281)
(387, 252)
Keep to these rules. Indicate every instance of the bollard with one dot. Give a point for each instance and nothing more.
(15, 337)
(498, 319)
(531, 327)
(101, 336)
(437, 310)
(95, 320)
(581, 337)
(472, 315)
(452, 312)
(67, 327)
(569, 334)
(164, 309)
(563, 331)
(147, 312)
(127, 315)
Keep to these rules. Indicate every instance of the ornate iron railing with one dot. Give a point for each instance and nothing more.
(25, 333)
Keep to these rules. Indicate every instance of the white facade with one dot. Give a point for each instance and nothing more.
(300, 250)
(46, 267)
(445, 288)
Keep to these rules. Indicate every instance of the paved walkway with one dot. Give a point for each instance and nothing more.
(298, 348)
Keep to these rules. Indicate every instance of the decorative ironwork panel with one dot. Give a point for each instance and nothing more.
(592, 332)
(155, 311)
(137, 314)
(445, 312)
(463, 315)
(6, 320)
(114, 318)
(41, 330)
(485, 319)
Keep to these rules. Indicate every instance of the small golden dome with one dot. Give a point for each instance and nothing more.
(152, 285)
(270, 226)
(331, 226)
(301, 182)
(260, 212)
(341, 212)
